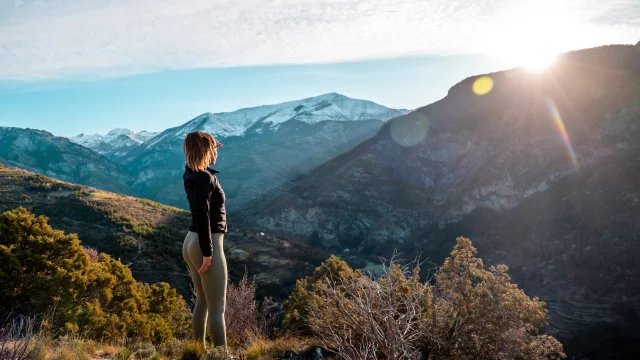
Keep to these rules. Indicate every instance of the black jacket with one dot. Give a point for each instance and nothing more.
(206, 201)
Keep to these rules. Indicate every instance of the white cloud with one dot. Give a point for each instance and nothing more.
(61, 38)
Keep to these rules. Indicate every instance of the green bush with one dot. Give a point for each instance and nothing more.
(46, 270)
(296, 307)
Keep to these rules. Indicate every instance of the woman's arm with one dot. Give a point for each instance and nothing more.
(202, 198)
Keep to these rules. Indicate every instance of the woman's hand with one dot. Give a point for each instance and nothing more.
(206, 262)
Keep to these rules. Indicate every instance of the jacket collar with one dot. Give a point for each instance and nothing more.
(210, 170)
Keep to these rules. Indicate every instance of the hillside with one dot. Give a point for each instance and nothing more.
(58, 157)
(541, 171)
(148, 236)
(266, 147)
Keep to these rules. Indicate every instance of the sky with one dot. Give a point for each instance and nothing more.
(71, 66)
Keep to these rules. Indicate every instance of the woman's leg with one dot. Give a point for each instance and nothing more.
(199, 316)
(214, 287)
(214, 283)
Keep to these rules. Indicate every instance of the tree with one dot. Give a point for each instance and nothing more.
(480, 314)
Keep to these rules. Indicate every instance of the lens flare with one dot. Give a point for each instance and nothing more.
(563, 132)
(410, 130)
(482, 85)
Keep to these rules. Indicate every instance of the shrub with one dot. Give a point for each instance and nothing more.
(296, 307)
(143, 351)
(192, 350)
(219, 353)
(364, 318)
(468, 312)
(124, 353)
(97, 298)
(244, 318)
(18, 340)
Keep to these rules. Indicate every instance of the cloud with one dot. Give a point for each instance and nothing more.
(626, 13)
(42, 39)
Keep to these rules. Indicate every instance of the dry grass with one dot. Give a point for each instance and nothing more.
(260, 349)
(192, 350)
(109, 350)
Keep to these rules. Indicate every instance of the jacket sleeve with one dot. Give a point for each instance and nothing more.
(202, 198)
(219, 214)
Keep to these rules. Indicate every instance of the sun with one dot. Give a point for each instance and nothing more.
(521, 35)
(536, 61)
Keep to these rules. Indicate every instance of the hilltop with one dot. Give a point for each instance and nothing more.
(148, 236)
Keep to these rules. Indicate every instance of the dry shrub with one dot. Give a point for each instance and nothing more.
(245, 318)
(363, 318)
(18, 339)
(467, 313)
(173, 348)
(143, 351)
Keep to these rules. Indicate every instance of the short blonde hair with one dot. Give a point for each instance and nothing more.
(199, 150)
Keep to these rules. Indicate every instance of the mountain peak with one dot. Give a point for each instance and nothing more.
(330, 106)
(120, 131)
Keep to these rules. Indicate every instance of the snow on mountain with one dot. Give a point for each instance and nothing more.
(115, 143)
(330, 106)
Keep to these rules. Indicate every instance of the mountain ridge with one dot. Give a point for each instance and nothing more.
(265, 146)
(426, 177)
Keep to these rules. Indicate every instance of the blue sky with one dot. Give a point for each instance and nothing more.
(71, 66)
(157, 101)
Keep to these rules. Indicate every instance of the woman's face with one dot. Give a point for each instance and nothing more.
(214, 156)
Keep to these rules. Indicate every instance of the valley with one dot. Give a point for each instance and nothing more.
(539, 170)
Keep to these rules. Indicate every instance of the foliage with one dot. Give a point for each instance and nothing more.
(296, 307)
(48, 271)
(41, 182)
(244, 317)
(468, 312)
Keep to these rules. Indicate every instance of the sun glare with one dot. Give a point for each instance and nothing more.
(536, 62)
(521, 36)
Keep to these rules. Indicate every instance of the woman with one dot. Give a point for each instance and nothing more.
(202, 249)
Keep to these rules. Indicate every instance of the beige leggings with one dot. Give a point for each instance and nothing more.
(210, 287)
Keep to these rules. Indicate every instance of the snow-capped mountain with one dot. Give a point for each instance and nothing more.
(115, 143)
(266, 147)
(332, 106)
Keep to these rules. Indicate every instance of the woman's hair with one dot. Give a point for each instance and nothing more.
(199, 150)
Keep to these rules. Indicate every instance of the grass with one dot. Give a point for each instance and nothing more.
(260, 349)
(192, 350)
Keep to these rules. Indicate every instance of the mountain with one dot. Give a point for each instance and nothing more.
(60, 158)
(118, 142)
(265, 148)
(148, 236)
(541, 173)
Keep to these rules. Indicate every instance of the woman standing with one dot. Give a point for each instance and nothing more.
(202, 249)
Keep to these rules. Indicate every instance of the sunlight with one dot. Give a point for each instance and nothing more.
(530, 34)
